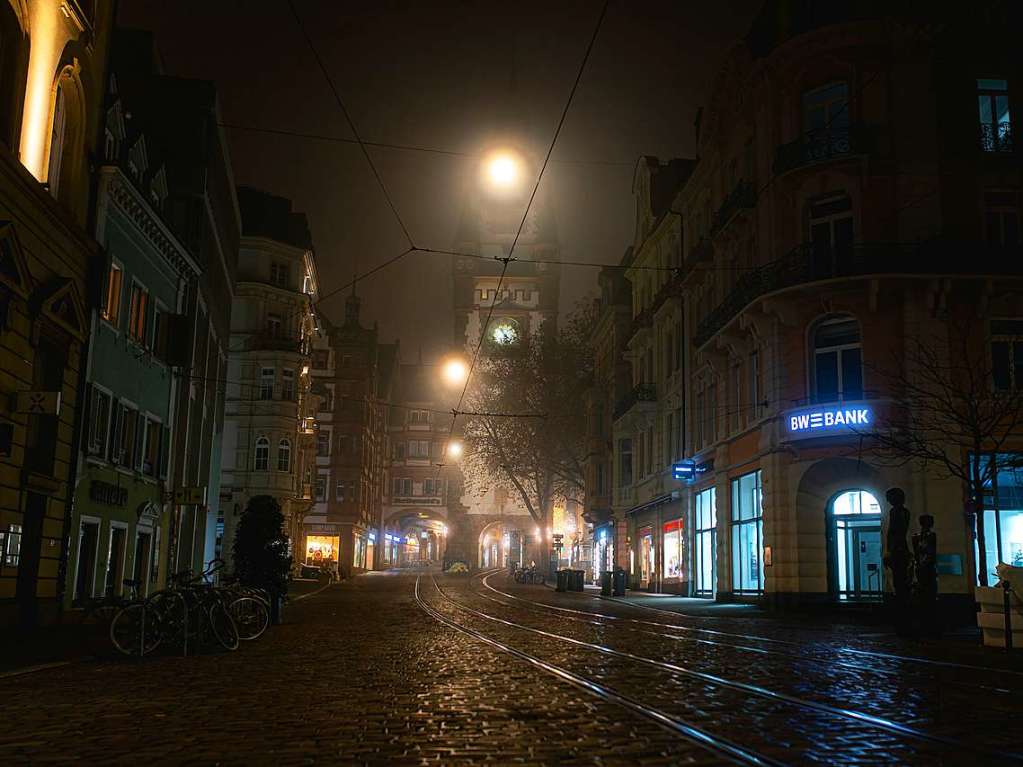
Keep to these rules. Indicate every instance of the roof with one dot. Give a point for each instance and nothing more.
(270, 216)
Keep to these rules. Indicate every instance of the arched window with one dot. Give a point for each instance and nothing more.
(284, 455)
(64, 156)
(836, 360)
(262, 454)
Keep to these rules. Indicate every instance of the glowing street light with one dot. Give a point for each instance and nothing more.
(455, 371)
(502, 170)
(455, 449)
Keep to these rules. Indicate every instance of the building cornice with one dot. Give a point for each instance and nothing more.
(137, 209)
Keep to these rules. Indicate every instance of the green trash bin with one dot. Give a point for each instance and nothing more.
(618, 584)
(605, 583)
(578, 580)
(562, 576)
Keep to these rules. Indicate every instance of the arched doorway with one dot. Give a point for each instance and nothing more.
(502, 545)
(856, 548)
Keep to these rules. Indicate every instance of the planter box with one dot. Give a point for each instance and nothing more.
(991, 618)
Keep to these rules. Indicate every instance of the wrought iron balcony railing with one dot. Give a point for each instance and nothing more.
(743, 196)
(811, 263)
(270, 342)
(645, 392)
(996, 138)
(820, 146)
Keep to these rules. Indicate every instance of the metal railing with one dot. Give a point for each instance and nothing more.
(743, 196)
(996, 137)
(812, 263)
(819, 146)
(645, 392)
(270, 342)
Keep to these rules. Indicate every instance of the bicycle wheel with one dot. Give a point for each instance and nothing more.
(135, 630)
(222, 624)
(251, 616)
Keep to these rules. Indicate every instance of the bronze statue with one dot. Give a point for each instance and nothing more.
(925, 567)
(897, 557)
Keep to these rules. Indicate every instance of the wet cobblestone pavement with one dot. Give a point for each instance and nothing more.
(363, 674)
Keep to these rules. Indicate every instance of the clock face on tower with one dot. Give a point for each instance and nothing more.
(504, 333)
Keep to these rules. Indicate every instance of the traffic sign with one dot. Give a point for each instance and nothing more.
(38, 402)
(188, 496)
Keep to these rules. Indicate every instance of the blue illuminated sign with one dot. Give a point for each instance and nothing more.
(826, 420)
(684, 470)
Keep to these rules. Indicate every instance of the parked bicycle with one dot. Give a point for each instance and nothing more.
(191, 612)
(529, 575)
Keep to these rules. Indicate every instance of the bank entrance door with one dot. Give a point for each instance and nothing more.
(856, 551)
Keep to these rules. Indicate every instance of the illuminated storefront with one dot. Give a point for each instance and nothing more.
(603, 550)
(674, 550)
(322, 550)
(647, 557)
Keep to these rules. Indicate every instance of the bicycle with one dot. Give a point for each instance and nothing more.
(189, 612)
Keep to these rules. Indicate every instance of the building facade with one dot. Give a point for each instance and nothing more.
(826, 228)
(417, 510)
(51, 111)
(269, 434)
(354, 375)
(121, 525)
(646, 534)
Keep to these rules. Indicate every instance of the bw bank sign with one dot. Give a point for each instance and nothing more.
(822, 421)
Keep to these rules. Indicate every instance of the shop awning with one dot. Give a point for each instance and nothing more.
(667, 498)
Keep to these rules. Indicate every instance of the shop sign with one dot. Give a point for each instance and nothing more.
(828, 420)
(689, 470)
(322, 529)
(418, 500)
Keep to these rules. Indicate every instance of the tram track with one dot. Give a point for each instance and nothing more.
(860, 718)
(696, 735)
(484, 579)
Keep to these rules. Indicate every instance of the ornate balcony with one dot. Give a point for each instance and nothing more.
(821, 146)
(270, 342)
(996, 138)
(742, 197)
(646, 392)
(808, 263)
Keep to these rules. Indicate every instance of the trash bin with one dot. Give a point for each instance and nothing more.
(618, 585)
(605, 583)
(562, 580)
(578, 580)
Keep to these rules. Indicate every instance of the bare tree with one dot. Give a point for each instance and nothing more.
(528, 436)
(952, 414)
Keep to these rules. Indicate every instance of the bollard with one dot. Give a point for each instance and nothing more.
(1007, 606)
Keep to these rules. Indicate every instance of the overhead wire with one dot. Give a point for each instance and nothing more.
(525, 215)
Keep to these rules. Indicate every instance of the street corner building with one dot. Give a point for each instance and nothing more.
(51, 110)
(827, 251)
(269, 435)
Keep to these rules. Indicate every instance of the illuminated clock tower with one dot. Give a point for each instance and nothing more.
(497, 529)
(526, 300)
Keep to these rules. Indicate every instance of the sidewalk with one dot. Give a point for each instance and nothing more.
(70, 642)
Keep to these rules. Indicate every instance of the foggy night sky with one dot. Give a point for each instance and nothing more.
(455, 75)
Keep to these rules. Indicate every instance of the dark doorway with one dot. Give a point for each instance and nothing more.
(28, 566)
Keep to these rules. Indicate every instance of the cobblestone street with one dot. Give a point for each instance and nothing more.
(362, 674)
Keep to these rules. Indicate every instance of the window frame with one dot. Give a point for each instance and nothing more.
(839, 350)
(112, 317)
(284, 455)
(262, 443)
(137, 335)
(738, 522)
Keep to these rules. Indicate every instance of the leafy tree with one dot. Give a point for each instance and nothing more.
(261, 556)
(528, 434)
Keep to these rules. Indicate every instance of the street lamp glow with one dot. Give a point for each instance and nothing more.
(455, 449)
(455, 371)
(502, 170)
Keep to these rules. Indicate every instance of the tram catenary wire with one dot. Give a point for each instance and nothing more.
(867, 720)
(721, 746)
